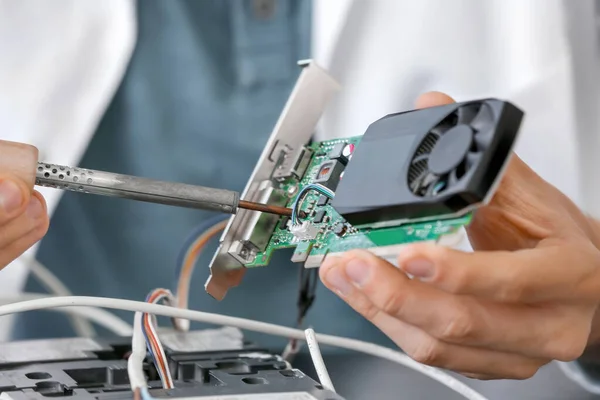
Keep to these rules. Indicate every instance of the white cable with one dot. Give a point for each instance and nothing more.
(96, 315)
(103, 318)
(317, 359)
(54, 286)
(241, 323)
(135, 363)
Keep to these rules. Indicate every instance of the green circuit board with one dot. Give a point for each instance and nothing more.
(327, 241)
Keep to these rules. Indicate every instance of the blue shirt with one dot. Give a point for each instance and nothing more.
(203, 90)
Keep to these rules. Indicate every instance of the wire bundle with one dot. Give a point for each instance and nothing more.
(298, 202)
(185, 266)
(241, 323)
(153, 343)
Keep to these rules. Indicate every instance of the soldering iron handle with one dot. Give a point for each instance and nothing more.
(136, 188)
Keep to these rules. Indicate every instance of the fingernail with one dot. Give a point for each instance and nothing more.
(35, 209)
(10, 196)
(358, 271)
(337, 280)
(419, 268)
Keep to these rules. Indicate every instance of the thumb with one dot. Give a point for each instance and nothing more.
(18, 163)
(433, 99)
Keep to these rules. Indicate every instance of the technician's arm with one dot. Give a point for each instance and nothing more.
(23, 216)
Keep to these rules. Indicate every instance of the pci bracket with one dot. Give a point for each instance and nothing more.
(294, 129)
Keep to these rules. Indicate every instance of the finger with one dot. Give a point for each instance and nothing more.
(33, 217)
(430, 351)
(532, 331)
(20, 161)
(14, 197)
(433, 99)
(549, 272)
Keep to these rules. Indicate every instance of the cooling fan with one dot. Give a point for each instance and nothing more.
(450, 150)
(434, 163)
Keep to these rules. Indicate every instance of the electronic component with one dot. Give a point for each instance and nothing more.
(348, 150)
(302, 252)
(329, 174)
(433, 163)
(265, 223)
(284, 223)
(293, 164)
(323, 201)
(413, 177)
(340, 153)
(319, 217)
(385, 238)
(97, 369)
(305, 231)
(340, 229)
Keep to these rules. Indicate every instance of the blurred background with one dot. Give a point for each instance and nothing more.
(189, 90)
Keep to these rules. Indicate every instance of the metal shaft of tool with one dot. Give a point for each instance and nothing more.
(267, 208)
(136, 188)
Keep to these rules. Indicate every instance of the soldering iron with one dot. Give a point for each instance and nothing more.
(148, 190)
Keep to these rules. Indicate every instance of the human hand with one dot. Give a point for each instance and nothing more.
(23, 216)
(526, 296)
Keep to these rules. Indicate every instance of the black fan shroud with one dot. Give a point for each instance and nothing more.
(431, 163)
(450, 150)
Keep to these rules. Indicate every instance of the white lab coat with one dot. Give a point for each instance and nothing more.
(63, 60)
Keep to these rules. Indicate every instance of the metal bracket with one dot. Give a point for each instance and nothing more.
(294, 129)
